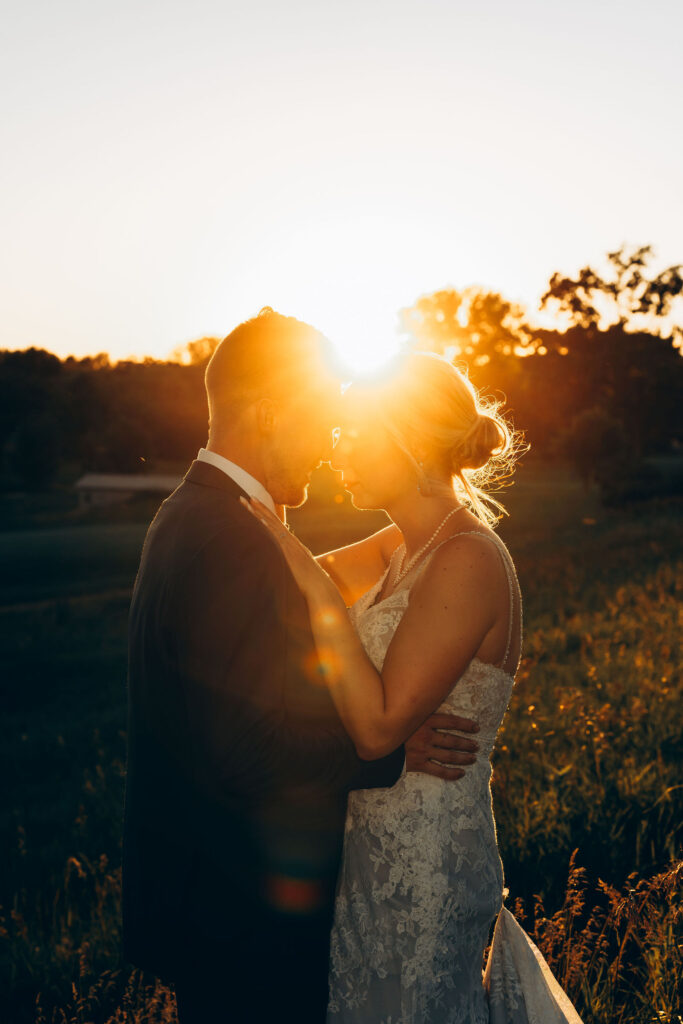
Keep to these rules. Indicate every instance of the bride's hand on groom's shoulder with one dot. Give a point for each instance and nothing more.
(313, 581)
(431, 744)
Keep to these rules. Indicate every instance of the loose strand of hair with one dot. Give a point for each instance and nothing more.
(485, 507)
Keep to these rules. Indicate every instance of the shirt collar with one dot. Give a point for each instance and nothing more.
(246, 481)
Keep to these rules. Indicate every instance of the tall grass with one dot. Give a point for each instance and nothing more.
(617, 952)
(589, 749)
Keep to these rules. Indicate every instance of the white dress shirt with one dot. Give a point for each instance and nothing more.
(246, 481)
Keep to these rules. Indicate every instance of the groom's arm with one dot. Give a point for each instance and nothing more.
(437, 749)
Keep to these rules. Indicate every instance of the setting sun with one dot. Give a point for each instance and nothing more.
(365, 345)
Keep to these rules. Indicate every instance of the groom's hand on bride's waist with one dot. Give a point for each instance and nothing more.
(436, 752)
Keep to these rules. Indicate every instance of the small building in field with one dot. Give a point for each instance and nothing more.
(95, 489)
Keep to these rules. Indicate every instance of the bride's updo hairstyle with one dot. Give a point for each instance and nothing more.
(428, 406)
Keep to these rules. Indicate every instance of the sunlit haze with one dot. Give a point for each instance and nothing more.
(169, 169)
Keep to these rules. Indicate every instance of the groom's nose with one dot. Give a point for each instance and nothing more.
(328, 446)
(343, 446)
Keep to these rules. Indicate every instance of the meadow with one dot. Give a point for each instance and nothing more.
(587, 781)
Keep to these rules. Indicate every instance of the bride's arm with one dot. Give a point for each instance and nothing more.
(356, 567)
(452, 609)
(449, 615)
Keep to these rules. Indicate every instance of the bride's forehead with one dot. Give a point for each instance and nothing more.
(357, 407)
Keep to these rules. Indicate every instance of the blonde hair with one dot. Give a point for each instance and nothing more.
(429, 405)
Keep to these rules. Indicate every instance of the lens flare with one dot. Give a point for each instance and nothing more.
(294, 895)
(323, 667)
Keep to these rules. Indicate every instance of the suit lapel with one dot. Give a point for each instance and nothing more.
(206, 475)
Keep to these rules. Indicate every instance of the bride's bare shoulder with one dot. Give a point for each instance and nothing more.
(357, 567)
(465, 564)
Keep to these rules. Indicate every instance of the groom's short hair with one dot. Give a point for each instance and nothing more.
(271, 356)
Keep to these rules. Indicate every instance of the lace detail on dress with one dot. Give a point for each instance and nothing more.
(421, 880)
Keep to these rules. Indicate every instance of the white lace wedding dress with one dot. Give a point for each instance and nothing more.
(421, 880)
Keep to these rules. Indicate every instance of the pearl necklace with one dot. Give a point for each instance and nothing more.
(403, 571)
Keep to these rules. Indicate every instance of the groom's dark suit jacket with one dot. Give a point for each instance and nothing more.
(238, 765)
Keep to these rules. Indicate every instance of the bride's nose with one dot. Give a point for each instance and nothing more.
(343, 446)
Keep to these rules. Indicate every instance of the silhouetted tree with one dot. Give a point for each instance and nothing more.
(474, 325)
(36, 450)
(195, 353)
(634, 376)
(594, 442)
(28, 380)
(603, 361)
(30, 434)
(627, 293)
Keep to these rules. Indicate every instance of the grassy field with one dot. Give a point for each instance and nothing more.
(587, 767)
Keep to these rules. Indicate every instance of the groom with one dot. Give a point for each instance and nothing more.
(238, 766)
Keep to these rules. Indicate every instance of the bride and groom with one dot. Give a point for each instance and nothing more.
(308, 824)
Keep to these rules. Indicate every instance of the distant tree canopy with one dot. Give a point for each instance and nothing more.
(195, 353)
(628, 295)
(618, 355)
(615, 367)
(90, 414)
(473, 325)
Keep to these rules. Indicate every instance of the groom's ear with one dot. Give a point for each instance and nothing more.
(266, 416)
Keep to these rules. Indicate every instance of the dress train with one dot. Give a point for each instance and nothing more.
(518, 982)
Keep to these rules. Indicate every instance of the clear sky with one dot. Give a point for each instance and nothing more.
(169, 168)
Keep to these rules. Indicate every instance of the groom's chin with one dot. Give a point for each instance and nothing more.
(296, 498)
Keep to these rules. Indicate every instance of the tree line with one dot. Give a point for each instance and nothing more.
(602, 388)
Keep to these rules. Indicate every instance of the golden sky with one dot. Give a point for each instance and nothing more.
(170, 168)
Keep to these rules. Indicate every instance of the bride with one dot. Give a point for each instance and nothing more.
(434, 621)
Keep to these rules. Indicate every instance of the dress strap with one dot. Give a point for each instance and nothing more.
(510, 574)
